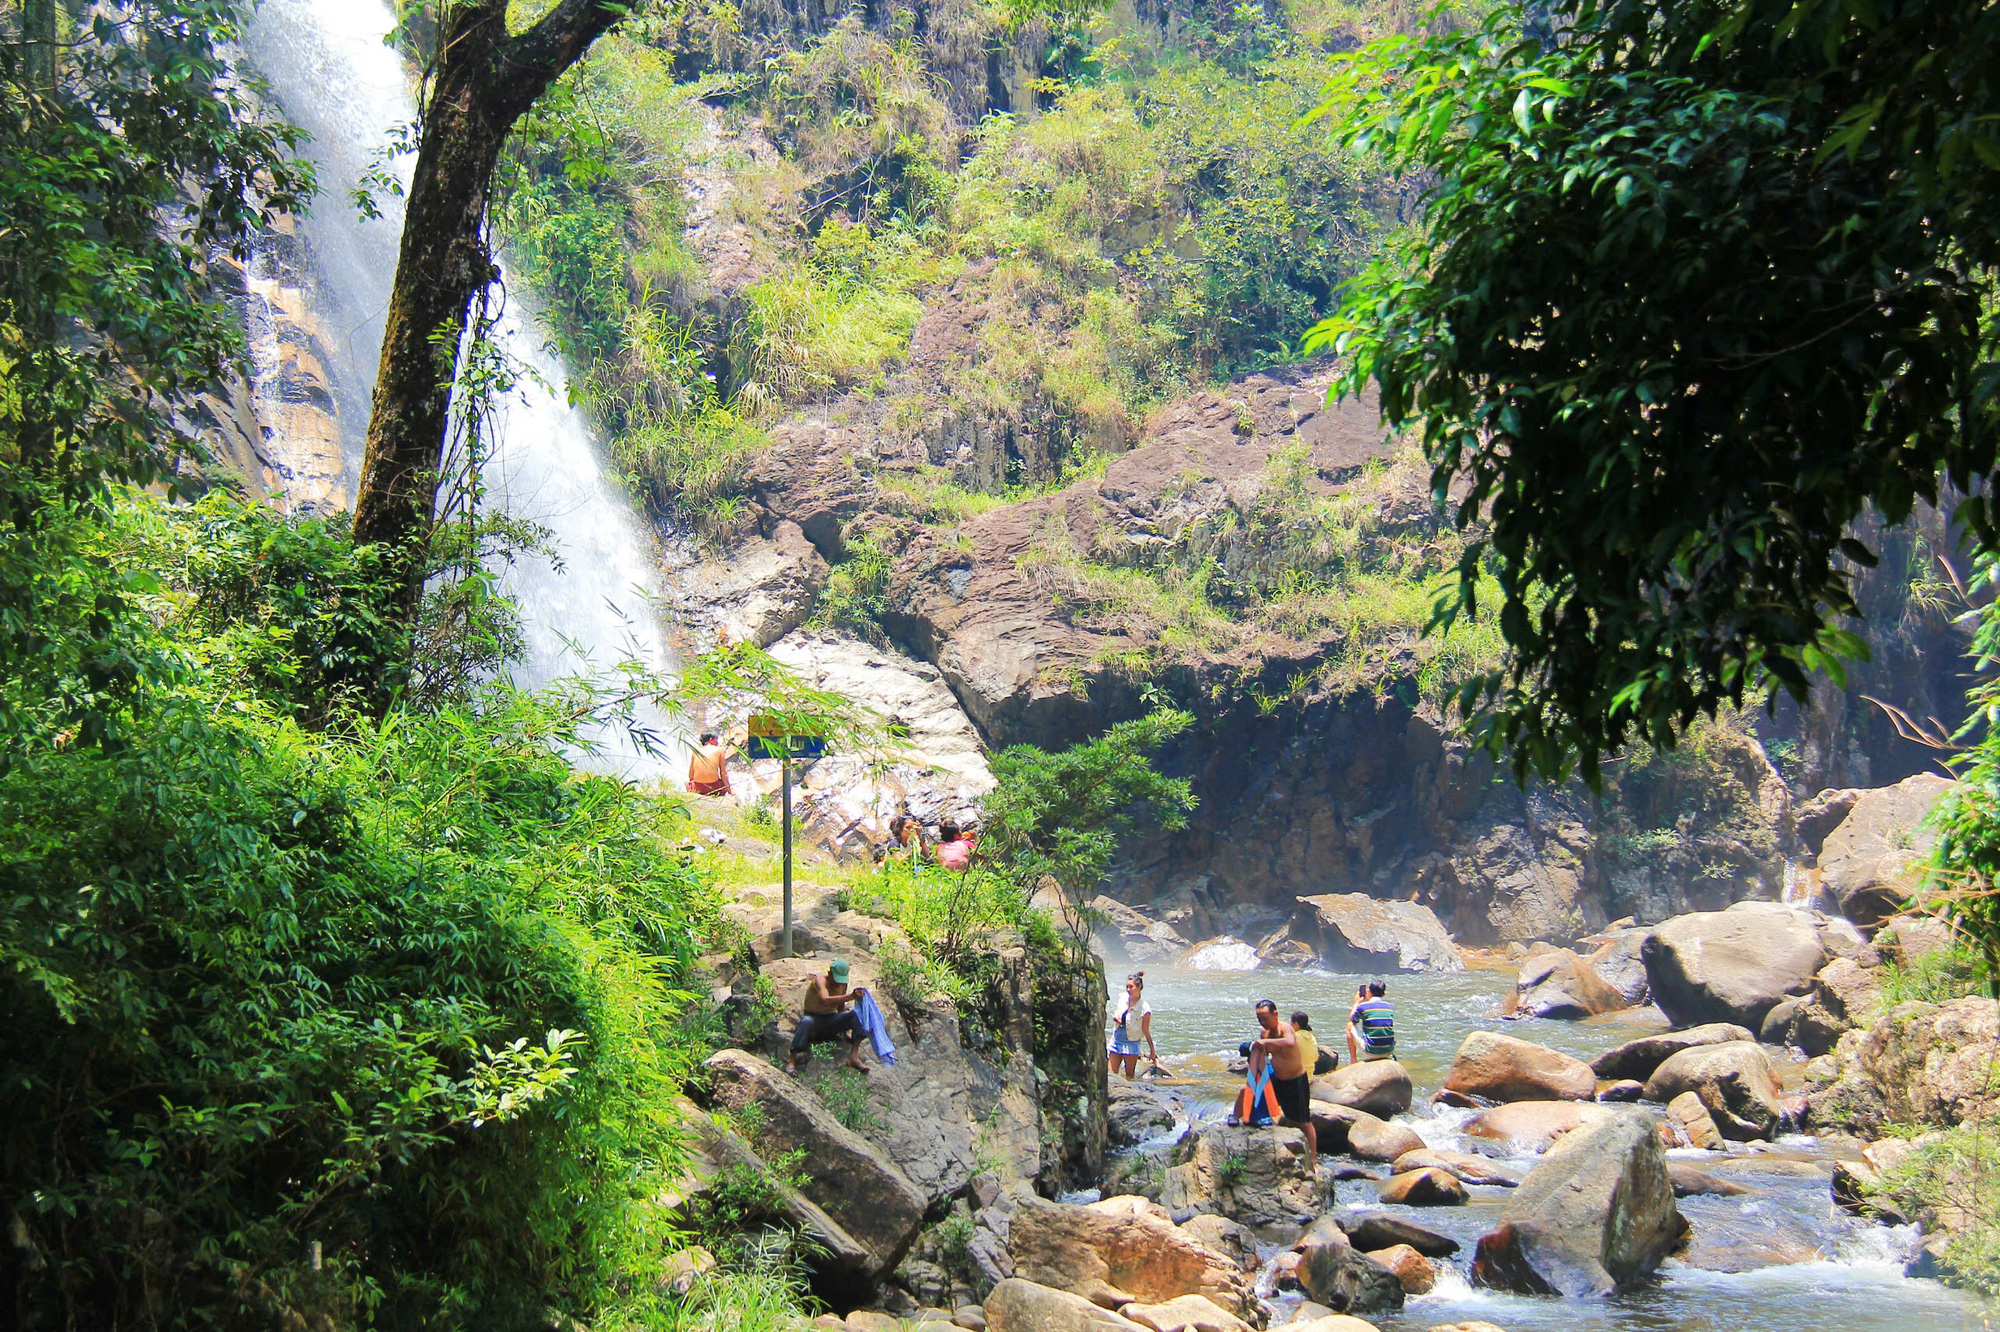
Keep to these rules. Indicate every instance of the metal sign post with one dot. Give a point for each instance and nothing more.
(786, 768)
(768, 737)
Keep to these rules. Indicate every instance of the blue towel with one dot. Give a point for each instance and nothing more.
(870, 1018)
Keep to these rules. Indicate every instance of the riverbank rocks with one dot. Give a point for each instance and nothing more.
(1125, 932)
(1382, 1230)
(1502, 1068)
(1122, 1249)
(1559, 984)
(1224, 1236)
(1348, 1281)
(1918, 1064)
(1470, 1169)
(1532, 1126)
(857, 1185)
(1594, 1216)
(1417, 1273)
(1866, 861)
(1253, 1175)
(1619, 962)
(1374, 1139)
(1382, 1087)
(1637, 1059)
(1135, 1112)
(1734, 1082)
(1185, 1313)
(1354, 932)
(1428, 1187)
(1692, 1124)
(1843, 997)
(1016, 1305)
(1734, 965)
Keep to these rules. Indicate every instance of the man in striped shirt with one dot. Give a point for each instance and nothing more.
(1371, 1027)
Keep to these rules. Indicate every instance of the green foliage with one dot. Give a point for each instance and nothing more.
(846, 1095)
(855, 597)
(125, 173)
(1952, 972)
(1951, 1181)
(1965, 865)
(1693, 286)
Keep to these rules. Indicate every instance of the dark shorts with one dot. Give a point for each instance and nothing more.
(816, 1027)
(1294, 1097)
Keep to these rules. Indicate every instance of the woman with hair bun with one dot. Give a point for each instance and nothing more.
(1132, 1020)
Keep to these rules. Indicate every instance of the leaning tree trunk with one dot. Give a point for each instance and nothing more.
(481, 83)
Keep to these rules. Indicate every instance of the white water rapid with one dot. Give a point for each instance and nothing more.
(334, 77)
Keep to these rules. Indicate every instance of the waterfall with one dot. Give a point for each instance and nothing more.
(332, 74)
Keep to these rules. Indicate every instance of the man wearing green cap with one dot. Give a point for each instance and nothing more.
(827, 1015)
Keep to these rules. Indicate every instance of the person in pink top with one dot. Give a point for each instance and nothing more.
(955, 847)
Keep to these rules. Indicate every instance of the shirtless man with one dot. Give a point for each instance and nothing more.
(1290, 1078)
(708, 767)
(827, 1015)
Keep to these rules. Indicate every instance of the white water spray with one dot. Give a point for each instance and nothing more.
(334, 77)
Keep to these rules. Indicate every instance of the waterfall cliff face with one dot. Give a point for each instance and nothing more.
(318, 294)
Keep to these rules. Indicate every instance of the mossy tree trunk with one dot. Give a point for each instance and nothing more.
(481, 81)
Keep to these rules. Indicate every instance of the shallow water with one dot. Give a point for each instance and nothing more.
(1778, 1259)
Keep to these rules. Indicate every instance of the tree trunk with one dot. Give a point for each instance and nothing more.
(482, 81)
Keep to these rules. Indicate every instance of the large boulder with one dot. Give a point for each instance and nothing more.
(1348, 1281)
(1225, 1236)
(1692, 1125)
(1382, 1140)
(1380, 1086)
(1596, 1215)
(1843, 997)
(1866, 862)
(1253, 1175)
(1354, 932)
(1382, 1230)
(856, 1183)
(1527, 1127)
(1471, 1169)
(1637, 1059)
(1620, 963)
(1502, 1068)
(1428, 1186)
(1417, 1273)
(1559, 984)
(1184, 1313)
(1123, 1249)
(1733, 965)
(1918, 1064)
(1135, 1112)
(1016, 1305)
(1734, 1082)
(1125, 932)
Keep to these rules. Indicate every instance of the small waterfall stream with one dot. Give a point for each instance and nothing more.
(593, 607)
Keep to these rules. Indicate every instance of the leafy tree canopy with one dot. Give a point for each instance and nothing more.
(1694, 284)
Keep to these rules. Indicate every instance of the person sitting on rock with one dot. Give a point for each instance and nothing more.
(708, 767)
(827, 1016)
(1316, 1060)
(1371, 1027)
(955, 846)
(1290, 1078)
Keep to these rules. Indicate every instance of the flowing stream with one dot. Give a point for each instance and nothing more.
(1776, 1259)
(592, 606)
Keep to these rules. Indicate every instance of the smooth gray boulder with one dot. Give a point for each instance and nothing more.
(1559, 985)
(1734, 1082)
(1866, 862)
(1596, 1215)
(1348, 1281)
(1637, 1059)
(1492, 1067)
(1382, 1087)
(1016, 1305)
(1734, 965)
(1358, 933)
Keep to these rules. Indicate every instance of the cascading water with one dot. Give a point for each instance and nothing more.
(591, 608)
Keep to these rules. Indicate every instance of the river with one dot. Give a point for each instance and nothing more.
(1777, 1259)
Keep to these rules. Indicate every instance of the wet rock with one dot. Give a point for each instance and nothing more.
(1734, 1082)
(1560, 985)
(1357, 933)
(1531, 1126)
(1025, 1306)
(1471, 1169)
(1693, 1124)
(1186, 1313)
(1380, 1086)
(1348, 1281)
(1637, 1059)
(1866, 862)
(1417, 1273)
(855, 1182)
(1623, 1090)
(1596, 1215)
(1374, 1139)
(1268, 1187)
(1918, 1064)
(1428, 1187)
(1136, 1112)
(1456, 1100)
(1383, 1230)
(1734, 965)
(1122, 1249)
(1689, 1182)
(1225, 1236)
(1502, 1068)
